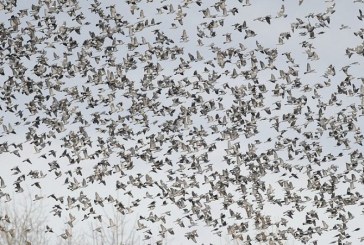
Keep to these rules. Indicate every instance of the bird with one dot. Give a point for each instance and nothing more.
(361, 16)
(308, 69)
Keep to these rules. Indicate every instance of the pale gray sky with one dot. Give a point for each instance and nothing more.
(330, 45)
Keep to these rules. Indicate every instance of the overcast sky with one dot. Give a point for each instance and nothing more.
(332, 39)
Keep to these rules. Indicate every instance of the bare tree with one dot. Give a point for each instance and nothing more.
(112, 231)
(75, 238)
(25, 224)
(22, 224)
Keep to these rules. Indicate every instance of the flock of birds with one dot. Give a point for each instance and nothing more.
(187, 115)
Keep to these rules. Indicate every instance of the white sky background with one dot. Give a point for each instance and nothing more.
(329, 46)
